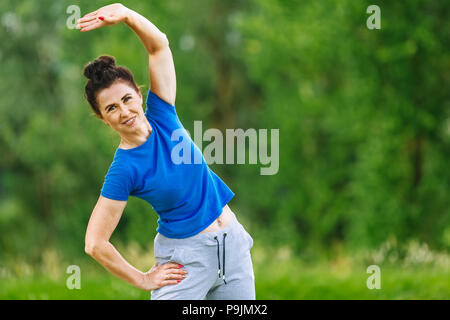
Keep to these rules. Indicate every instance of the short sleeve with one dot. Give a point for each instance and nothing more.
(117, 184)
(159, 110)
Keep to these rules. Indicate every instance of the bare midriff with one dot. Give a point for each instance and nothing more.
(221, 222)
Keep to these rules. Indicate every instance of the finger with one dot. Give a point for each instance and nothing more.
(92, 26)
(176, 272)
(87, 24)
(175, 276)
(169, 282)
(170, 265)
(84, 24)
(86, 19)
(89, 17)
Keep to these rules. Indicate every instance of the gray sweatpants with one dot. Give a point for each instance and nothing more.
(218, 265)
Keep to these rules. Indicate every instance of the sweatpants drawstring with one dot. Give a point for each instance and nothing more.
(223, 274)
(218, 256)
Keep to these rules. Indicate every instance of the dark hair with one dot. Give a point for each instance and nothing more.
(102, 73)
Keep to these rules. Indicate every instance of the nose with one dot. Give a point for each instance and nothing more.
(125, 112)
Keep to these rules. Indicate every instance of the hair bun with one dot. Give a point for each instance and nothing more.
(94, 70)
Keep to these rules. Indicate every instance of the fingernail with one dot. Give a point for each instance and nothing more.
(178, 280)
(180, 266)
(101, 18)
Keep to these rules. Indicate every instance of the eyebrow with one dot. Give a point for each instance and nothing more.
(112, 104)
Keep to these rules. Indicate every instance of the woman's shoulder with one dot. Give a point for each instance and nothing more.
(159, 108)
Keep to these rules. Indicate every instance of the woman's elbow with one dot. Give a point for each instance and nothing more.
(93, 247)
(89, 248)
(162, 43)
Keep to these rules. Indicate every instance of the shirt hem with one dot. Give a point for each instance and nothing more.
(113, 197)
(202, 227)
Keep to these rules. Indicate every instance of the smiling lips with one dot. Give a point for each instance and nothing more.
(130, 122)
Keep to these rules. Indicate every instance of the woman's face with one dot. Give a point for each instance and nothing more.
(120, 103)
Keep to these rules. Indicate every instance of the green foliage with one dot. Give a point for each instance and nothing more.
(363, 118)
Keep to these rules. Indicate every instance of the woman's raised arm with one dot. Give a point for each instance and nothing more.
(161, 66)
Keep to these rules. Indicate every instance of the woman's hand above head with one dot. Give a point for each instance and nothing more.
(160, 60)
(162, 275)
(105, 16)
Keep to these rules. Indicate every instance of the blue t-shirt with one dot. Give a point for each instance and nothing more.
(186, 194)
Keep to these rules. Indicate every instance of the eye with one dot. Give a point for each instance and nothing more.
(109, 109)
(127, 98)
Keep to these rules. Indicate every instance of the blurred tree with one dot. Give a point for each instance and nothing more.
(363, 117)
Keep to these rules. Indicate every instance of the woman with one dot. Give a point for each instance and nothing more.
(199, 237)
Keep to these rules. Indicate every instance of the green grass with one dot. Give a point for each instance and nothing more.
(102, 287)
(320, 283)
(292, 283)
(279, 275)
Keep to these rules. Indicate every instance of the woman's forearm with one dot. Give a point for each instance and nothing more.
(108, 256)
(152, 38)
